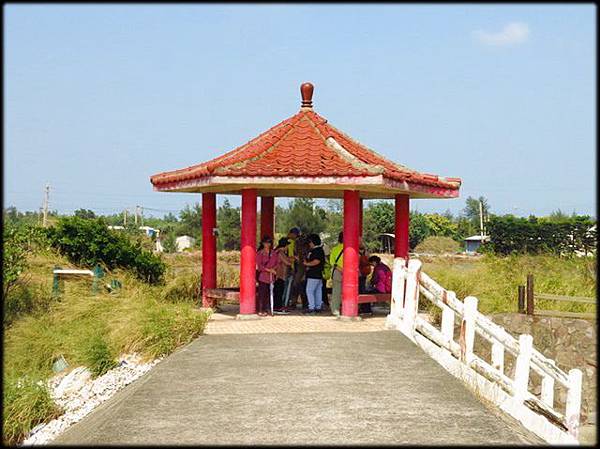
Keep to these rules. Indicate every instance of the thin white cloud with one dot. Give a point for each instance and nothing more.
(512, 33)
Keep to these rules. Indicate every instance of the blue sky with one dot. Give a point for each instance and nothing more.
(100, 97)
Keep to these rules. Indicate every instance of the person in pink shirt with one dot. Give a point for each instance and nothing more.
(381, 279)
(266, 261)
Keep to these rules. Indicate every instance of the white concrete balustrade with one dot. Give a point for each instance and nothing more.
(489, 380)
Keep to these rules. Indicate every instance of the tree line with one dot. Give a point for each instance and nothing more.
(507, 232)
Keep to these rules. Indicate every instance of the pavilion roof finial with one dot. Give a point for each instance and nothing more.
(306, 89)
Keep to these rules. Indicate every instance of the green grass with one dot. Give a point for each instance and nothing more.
(89, 330)
(494, 280)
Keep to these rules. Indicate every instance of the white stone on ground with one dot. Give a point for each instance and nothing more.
(78, 394)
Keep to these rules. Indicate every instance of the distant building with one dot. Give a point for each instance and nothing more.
(184, 241)
(474, 242)
(149, 231)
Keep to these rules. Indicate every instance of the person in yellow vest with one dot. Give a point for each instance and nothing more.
(336, 260)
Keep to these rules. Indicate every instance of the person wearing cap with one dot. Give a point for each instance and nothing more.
(282, 271)
(266, 261)
(336, 260)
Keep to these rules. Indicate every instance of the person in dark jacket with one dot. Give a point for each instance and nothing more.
(314, 262)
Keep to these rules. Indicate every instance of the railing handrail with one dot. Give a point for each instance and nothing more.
(577, 299)
(540, 363)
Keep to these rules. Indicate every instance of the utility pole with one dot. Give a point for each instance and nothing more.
(481, 219)
(125, 218)
(137, 211)
(45, 207)
(142, 215)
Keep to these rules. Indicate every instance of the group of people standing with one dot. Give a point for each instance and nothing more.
(297, 268)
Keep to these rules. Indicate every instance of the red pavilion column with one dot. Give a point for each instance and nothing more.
(360, 218)
(267, 216)
(248, 253)
(209, 245)
(350, 270)
(401, 226)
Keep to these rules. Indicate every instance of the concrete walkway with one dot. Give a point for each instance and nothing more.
(297, 388)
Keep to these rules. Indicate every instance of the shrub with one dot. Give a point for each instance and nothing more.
(97, 355)
(168, 243)
(27, 403)
(89, 242)
(438, 245)
(20, 243)
(509, 234)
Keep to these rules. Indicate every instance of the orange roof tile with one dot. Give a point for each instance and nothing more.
(303, 145)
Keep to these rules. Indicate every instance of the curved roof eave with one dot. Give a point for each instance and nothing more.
(376, 186)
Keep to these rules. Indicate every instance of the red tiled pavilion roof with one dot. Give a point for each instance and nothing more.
(304, 148)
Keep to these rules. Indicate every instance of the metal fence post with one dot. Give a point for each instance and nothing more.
(530, 305)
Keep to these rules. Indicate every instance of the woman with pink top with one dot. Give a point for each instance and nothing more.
(381, 279)
(266, 261)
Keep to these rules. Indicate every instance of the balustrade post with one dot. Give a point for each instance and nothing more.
(398, 285)
(498, 356)
(467, 329)
(448, 319)
(522, 366)
(573, 408)
(548, 391)
(411, 299)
